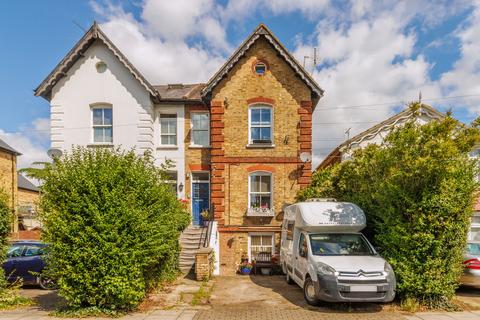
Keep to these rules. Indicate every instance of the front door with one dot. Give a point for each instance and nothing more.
(200, 196)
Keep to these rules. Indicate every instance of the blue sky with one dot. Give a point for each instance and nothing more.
(369, 53)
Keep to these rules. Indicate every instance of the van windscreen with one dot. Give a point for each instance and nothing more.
(340, 244)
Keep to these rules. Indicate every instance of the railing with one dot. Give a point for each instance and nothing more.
(208, 235)
(260, 212)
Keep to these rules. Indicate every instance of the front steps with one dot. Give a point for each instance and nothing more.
(191, 240)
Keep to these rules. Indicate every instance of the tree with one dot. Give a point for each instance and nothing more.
(112, 226)
(417, 191)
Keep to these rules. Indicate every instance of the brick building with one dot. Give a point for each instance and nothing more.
(235, 141)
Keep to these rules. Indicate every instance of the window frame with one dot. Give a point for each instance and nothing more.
(249, 248)
(250, 126)
(192, 130)
(100, 106)
(260, 173)
(173, 114)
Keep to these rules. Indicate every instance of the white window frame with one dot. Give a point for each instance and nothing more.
(93, 126)
(257, 107)
(169, 134)
(473, 226)
(192, 144)
(250, 234)
(260, 173)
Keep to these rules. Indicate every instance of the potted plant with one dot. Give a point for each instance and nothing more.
(245, 267)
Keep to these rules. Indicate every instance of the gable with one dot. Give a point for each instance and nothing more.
(262, 32)
(93, 35)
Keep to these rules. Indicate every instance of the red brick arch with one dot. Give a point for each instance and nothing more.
(261, 167)
(261, 100)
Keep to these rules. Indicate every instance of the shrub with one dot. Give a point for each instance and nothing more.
(112, 226)
(417, 192)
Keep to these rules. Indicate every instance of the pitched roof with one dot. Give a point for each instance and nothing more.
(5, 147)
(373, 131)
(180, 92)
(262, 31)
(24, 183)
(93, 34)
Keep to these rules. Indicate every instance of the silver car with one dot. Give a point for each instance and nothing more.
(471, 274)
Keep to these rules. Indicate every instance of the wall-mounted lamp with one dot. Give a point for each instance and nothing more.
(180, 187)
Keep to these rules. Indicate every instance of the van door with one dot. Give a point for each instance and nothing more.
(301, 259)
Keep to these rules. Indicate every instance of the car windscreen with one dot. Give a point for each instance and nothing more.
(340, 244)
(473, 249)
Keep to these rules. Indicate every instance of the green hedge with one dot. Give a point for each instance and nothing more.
(417, 192)
(112, 226)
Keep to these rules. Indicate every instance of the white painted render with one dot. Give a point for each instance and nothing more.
(135, 117)
(82, 87)
(176, 154)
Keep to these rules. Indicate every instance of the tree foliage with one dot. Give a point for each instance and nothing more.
(112, 226)
(417, 190)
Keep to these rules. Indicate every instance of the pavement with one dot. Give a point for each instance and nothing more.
(247, 297)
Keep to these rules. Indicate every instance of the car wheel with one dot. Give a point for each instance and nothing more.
(289, 279)
(309, 292)
(47, 283)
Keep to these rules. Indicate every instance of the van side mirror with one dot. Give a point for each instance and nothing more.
(302, 252)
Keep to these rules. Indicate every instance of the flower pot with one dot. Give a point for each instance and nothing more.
(245, 270)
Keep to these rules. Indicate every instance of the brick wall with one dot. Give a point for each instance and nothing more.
(8, 181)
(232, 160)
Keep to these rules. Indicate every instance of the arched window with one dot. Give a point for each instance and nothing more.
(260, 125)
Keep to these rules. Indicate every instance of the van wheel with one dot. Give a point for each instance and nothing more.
(309, 292)
(289, 279)
(47, 283)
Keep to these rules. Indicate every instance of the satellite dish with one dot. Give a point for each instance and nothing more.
(54, 153)
(305, 157)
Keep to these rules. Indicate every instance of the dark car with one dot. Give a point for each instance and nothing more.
(25, 262)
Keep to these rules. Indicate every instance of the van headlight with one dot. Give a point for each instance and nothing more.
(325, 269)
(387, 268)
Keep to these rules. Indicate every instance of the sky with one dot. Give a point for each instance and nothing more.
(372, 57)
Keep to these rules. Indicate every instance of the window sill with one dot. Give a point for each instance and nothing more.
(100, 145)
(193, 146)
(167, 147)
(260, 145)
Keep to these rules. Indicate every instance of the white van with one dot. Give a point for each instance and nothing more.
(323, 251)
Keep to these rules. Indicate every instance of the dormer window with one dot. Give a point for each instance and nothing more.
(260, 68)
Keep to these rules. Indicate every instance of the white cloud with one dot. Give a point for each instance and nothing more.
(367, 51)
(31, 141)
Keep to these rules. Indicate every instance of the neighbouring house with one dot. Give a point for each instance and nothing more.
(28, 198)
(23, 195)
(235, 141)
(378, 132)
(8, 178)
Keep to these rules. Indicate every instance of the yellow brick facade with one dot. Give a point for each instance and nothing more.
(233, 160)
(8, 180)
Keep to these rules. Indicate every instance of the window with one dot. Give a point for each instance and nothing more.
(168, 129)
(290, 227)
(302, 246)
(260, 68)
(102, 125)
(260, 193)
(200, 129)
(33, 251)
(260, 125)
(172, 180)
(15, 251)
(261, 243)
